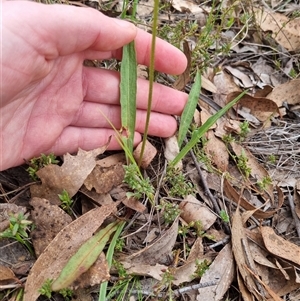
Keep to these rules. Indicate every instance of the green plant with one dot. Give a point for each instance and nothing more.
(46, 290)
(201, 268)
(109, 257)
(198, 133)
(242, 164)
(36, 164)
(66, 201)
(272, 159)
(244, 126)
(179, 185)
(170, 211)
(66, 293)
(197, 225)
(138, 183)
(224, 216)
(18, 229)
(264, 182)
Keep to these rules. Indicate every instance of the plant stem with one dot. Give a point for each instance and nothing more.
(151, 76)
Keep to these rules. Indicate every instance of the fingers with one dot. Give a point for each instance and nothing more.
(73, 138)
(168, 58)
(102, 86)
(56, 30)
(64, 30)
(93, 115)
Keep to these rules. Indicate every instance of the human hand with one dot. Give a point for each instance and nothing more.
(50, 102)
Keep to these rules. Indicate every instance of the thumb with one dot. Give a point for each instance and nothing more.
(61, 29)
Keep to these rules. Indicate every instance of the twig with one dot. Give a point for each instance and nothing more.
(207, 191)
(175, 292)
(295, 217)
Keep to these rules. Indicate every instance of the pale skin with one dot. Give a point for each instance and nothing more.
(50, 102)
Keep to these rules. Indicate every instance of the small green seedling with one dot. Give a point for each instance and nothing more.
(242, 164)
(140, 186)
(19, 226)
(66, 201)
(265, 181)
(46, 290)
(224, 216)
(202, 267)
(36, 164)
(179, 186)
(170, 211)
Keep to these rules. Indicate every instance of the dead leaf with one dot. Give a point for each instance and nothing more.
(262, 108)
(232, 193)
(172, 150)
(288, 92)
(149, 154)
(286, 32)
(103, 179)
(222, 271)
(217, 151)
(193, 210)
(274, 296)
(184, 78)
(279, 246)
(145, 7)
(7, 275)
(155, 271)
(49, 220)
(70, 176)
(65, 244)
(238, 236)
(156, 253)
(187, 6)
(134, 204)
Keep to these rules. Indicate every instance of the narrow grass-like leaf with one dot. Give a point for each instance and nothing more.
(189, 110)
(84, 258)
(198, 133)
(151, 76)
(128, 86)
(109, 256)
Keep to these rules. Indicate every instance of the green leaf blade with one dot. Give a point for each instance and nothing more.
(128, 88)
(189, 110)
(84, 258)
(198, 133)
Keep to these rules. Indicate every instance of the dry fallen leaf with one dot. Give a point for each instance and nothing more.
(280, 246)
(238, 237)
(193, 210)
(286, 32)
(172, 150)
(70, 176)
(103, 179)
(222, 271)
(63, 246)
(156, 253)
(288, 92)
(187, 6)
(7, 275)
(217, 151)
(262, 108)
(49, 220)
(149, 153)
